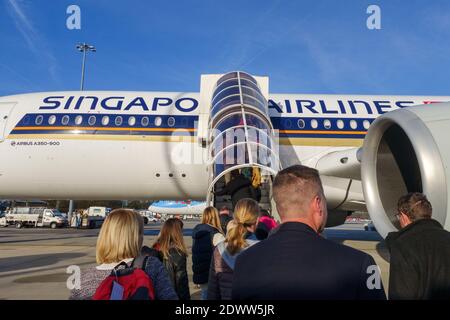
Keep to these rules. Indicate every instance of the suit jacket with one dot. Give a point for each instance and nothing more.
(295, 263)
(420, 261)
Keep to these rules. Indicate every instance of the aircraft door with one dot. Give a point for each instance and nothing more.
(5, 112)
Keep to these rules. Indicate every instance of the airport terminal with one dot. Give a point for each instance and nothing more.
(341, 187)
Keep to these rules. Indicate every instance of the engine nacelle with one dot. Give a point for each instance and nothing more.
(407, 150)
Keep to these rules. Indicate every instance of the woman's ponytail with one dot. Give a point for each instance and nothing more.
(246, 214)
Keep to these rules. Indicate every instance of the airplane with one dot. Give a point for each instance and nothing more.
(369, 150)
(177, 208)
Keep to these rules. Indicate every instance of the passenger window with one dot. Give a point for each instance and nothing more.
(118, 121)
(131, 121)
(301, 123)
(39, 120)
(65, 120)
(78, 120)
(327, 124)
(105, 120)
(366, 124)
(145, 121)
(52, 120)
(92, 120)
(171, 121)
(158, 121)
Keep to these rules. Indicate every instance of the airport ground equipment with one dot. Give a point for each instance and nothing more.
(3, 222)
(93, 217)
(35, 217)
(148, 216)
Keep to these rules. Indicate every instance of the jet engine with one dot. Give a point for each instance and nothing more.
(407, 150)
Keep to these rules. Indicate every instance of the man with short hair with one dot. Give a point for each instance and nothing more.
(224, 215)
(420, 252)
(295, 262)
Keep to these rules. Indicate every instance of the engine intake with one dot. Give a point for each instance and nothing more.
(407, 150)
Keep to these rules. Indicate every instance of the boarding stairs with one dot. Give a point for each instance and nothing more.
(240, 134)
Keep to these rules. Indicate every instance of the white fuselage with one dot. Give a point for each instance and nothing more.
(143, 145)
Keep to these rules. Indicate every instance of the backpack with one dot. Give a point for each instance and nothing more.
(127, 283)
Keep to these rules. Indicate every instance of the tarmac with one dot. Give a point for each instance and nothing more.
(34, 261)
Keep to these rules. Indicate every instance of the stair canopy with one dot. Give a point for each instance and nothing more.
(240, 131)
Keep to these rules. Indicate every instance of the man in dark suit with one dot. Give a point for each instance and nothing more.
(295, 262)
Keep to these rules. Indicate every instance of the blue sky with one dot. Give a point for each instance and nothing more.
(312, 46)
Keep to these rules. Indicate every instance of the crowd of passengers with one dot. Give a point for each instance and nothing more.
(247, 255)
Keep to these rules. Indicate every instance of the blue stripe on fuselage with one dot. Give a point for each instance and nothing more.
(289, 127)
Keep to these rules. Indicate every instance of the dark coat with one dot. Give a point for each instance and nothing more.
(224, 219)
(202, 250)
(238, 188)
(221, 273)
(151, 252)
(176, 268)
(295, 263)
(420, 261)
(262, 231)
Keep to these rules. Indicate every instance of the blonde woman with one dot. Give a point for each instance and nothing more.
(206, 236)
(240, 236)
(120, 240)
(170, 244)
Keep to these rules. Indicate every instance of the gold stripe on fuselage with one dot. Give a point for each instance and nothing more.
(171, 138)
(319, 142)
(104, 129)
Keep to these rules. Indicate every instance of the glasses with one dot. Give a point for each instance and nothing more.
(398, 214)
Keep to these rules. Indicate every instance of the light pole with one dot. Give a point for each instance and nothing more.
(84, 48)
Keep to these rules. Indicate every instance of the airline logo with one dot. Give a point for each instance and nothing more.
(322, 107)
(190, 104)
(116, 103)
